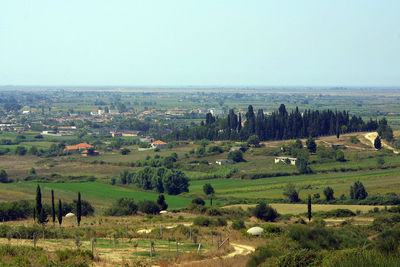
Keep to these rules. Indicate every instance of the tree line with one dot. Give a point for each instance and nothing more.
(279, 125)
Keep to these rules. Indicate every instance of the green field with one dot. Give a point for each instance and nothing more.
(98, 194)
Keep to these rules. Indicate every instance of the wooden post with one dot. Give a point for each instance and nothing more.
(151, 249)
(177, 249)
(212, 239)
(218, 244)
(34, 240)
(190, 233)
(93, 246)
(160, 231)
(199, 249)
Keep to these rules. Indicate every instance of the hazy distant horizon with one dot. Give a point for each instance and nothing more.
(184, 43)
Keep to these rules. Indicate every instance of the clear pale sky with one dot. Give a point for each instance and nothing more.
(207, 42)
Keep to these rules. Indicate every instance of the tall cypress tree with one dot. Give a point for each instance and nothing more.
(53, 208)
(38, 201)
(309, 208)
(79, 209)
(240, 122)
(59, 217)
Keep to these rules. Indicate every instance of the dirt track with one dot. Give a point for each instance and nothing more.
(372, 136)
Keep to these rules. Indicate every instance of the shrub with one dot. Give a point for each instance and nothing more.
(300, 258)
(354, 139)
(123, 206)
(149, 207)
(388, 241)
(328, 192)
(260, 255)
(238, 224)
(291, 193)
(198, 201)
(265, 212)
(125, 151)
(236, 156)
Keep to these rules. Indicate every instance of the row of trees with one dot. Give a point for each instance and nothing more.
(127, 206)
(172, 182)
(277, 126)
(40, 213)
(357, 192)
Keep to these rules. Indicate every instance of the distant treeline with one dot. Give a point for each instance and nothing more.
(277, 126)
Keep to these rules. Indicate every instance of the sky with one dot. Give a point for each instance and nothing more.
(200, 43)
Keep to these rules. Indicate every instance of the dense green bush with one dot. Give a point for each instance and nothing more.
(301, 258)
(260, 255)
(149, 207)
(238, 224)
(265, 212)
(205, 221)
(123, 206)
(15, 210)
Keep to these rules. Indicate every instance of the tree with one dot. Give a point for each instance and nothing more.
(123, 206)
(32, 171)
(161, 202)
(357, 191)
(311, 145)
(236, 156)
(291, 193)
(208, 189)
(328, 192)
(340, 156)
(79, 209)
(38, 201)
(53, 208)
(309, 208)
(265, 212)
(125, 177)
(253, 141)
(378, 143)
(42, 217)
(125, 151)
(149, 207)
(302, 165)
(175, 182)
(20, 150)
(3, 176)
(59, 216)
(198, 201)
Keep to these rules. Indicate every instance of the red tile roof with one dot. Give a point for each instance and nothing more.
(79, 146)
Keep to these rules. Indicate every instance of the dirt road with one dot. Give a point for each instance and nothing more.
(372, 136)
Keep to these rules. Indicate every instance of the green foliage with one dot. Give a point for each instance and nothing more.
(388, 241)
(301, 258)
(378, 143)
(198, 201)
(125, 151)
(3, 176)
(357, 191)
(260, 255)
(15, 210)
(79, 209)
(20, 151)
(238, 224)
(253, 141)
(311, 145)
(265, 212)
(205, 221)
(208, 189)
(161, 202)
(236, 156)
(328, 192)
(149, 207)
(291, 193)
(340, 156)
(354, 139)
(302, 165)
(361, 257)
(123, 206)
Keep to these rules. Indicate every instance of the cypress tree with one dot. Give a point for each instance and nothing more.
(53, 208)
(240, 122)
(309, 208)
(79, 209)
(59, 217)
(38, 201)
(34, 214)
(377, 143)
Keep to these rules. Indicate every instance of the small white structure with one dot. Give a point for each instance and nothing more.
(163, 212)
(285, 159)
(255, 230)
(223, 161)
(69, 215)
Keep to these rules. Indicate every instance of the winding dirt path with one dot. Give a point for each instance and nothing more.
(240, 249)
(372, 136)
